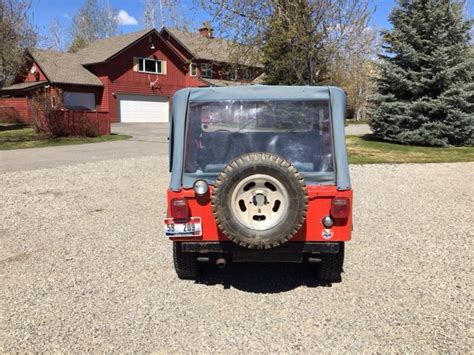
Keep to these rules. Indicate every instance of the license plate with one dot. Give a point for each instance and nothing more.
(190, 228)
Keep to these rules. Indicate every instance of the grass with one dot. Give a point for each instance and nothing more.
(28, 138)
(361, 150)
(349, 121)
(367, 150)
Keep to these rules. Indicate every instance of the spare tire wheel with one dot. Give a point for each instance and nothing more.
(259, 200)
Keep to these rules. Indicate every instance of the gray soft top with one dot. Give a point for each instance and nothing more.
(336, 96)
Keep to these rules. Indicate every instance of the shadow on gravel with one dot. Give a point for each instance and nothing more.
(260, 277)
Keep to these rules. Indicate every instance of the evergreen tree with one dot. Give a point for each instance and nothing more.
(303, 39)
(290, 52)
(425, 83)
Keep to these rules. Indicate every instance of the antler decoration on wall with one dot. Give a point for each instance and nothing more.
(153, 82)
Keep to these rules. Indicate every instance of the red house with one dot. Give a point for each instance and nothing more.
(130, 78)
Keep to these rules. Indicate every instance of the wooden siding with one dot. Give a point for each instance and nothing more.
(119, 77)
(39, 75)
(78, 119)
(15, 106)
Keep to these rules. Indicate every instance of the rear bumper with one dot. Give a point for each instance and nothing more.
(289, 248)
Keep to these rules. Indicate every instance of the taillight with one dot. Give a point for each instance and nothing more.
(179, 208)
(340, 208)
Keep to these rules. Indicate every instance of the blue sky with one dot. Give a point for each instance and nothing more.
(43, 11)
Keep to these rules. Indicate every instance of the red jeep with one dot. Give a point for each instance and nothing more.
(259, 174)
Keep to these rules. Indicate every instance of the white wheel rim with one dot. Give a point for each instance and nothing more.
(259, 202)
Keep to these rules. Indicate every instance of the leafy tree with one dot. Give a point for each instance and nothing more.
(16, 33)
(425, 83)
(92, 22)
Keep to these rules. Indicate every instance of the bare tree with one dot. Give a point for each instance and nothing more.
(302, 41)
(153, 15)
(354, 69)
(159, 13)
(55, 37)
(93, 21)
(16, 33)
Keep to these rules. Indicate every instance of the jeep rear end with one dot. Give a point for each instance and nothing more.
(259, 174)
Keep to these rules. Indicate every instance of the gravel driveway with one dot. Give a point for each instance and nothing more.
(84, 266)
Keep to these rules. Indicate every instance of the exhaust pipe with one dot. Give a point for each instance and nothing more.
(221, 263)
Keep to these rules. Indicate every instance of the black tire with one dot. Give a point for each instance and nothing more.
(185, 264)
(276, 167)
(330, 268)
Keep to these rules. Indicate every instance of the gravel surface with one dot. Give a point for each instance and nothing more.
(84, 266)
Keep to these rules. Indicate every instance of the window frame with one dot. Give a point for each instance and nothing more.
(232, 74)
(208, 70)
(248, 74)
(193, 68)
(161, 66)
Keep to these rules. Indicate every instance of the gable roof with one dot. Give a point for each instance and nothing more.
(69, 68)
(63, 68)
(215, 49)
(23, 86)
(103, 49)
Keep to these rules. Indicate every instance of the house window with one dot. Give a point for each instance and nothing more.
(232, 74)
(53, 101)
(206, 70)
(79, 100)
(192, 69)
(152, 66)
(248, 74)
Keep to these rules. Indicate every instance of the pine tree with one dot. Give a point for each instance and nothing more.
(425, 82)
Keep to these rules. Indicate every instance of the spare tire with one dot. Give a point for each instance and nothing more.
(259, 200)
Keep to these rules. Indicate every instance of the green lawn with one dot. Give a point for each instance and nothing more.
(348, 122)
(28, 138)
(366, 150)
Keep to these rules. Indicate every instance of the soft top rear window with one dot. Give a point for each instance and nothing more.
(298, 130)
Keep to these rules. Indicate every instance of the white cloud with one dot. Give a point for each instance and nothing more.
(125, 19)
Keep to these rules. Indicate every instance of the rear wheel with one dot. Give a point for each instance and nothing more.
(330, 267)
(259, 200)
(185, 264)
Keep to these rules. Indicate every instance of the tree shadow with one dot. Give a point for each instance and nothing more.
(372, 138)
(260, 277)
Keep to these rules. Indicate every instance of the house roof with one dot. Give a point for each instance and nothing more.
(69, 68)
(215, 49)
(63, 68)
(103, 49)
(221, 82)
(259, 80)
(24, 86)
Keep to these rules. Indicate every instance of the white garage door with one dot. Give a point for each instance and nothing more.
(141, 108)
